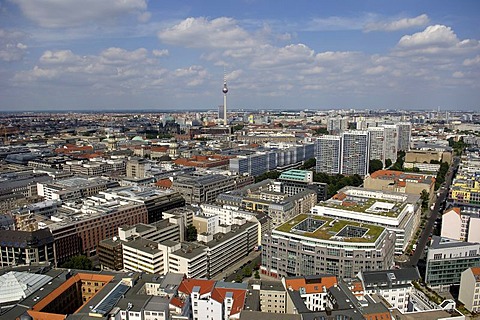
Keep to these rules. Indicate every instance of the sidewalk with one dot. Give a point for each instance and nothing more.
(233, 268)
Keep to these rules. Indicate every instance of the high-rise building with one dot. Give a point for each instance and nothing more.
(328, 151)
(355, 152)
(377, 141)
(404, 135)
(391, 142)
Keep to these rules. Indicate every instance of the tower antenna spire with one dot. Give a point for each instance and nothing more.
(224, 90)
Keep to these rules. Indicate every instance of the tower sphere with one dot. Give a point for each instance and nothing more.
(225, 89)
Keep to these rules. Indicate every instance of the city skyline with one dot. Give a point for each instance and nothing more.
(134, 54)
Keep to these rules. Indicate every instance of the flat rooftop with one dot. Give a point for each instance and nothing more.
(325, 228)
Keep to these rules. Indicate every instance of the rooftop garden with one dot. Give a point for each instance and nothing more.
(329, 230)
(363, 207)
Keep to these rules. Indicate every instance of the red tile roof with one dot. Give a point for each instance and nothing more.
(187, 285)
(311, 286)
(239, 296)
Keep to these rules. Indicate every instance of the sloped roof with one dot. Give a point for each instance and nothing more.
(238, 296)
(312, 284)
(17, 285)
(187, 285)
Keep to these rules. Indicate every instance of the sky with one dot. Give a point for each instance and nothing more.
(174, 55)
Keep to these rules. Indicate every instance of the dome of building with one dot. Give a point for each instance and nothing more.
(137, 138)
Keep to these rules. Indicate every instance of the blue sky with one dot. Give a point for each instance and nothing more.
(171, 55)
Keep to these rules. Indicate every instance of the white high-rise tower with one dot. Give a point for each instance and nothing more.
(225, 90)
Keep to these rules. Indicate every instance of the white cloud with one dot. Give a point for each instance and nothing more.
(294, 54)
(203, 33)
(472, 62)
(458, 74)
(437, 35)
(11, 49)
(435, 40)
(397, 25)
(160, 53)
(70, 13)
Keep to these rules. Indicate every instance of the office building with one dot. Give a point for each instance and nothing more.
(397, 212)
(398, 181)
(75, 188)
(294, 181)
(155, 200)
(310, 244)
(18, 248)
(78, 229)
(404, 135)
(447, 259)
(204, 188)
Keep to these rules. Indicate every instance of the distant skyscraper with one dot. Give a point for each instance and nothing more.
(404, 135)
(337, 125)
(328, 151)
(390, 142)
(377, 139)
(221, 113)
(383, 142)
(355, 155)
(225, 90)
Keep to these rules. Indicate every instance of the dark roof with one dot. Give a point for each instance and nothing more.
(24, 239)
(390, 277)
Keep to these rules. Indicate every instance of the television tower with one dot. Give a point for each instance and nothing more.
(224, 90)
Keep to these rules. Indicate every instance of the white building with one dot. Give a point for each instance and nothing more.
(458, 225)
(328, 151)
(469, 293)
(395, 286)
(398, 212)
(144, 256)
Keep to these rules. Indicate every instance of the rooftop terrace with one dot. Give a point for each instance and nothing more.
(325, 228)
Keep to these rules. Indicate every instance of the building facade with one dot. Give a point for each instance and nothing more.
(447, 259)
(312, 245)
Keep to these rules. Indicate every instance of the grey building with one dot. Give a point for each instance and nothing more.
(309, 244)
(447, 259)
(26, 248)
(328, 151)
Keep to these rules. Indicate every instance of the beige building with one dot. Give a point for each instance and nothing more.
(136, 168)
(397, 181)
(427, 156)
(469, 293)
(205, 224)
(273, 296)
(460, 225)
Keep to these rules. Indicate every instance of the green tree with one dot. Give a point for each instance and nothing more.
(425, 196)
(238, 127)
(310, 163)
(247, 271)
(238, 278)
(268, 175)
(257, 275)
(78, 262)
(374, 165)
(321, 131)
(388, 163)
(191, 233)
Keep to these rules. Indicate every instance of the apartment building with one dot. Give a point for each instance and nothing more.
(469, 292)
(395, 285)
(461, 224)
